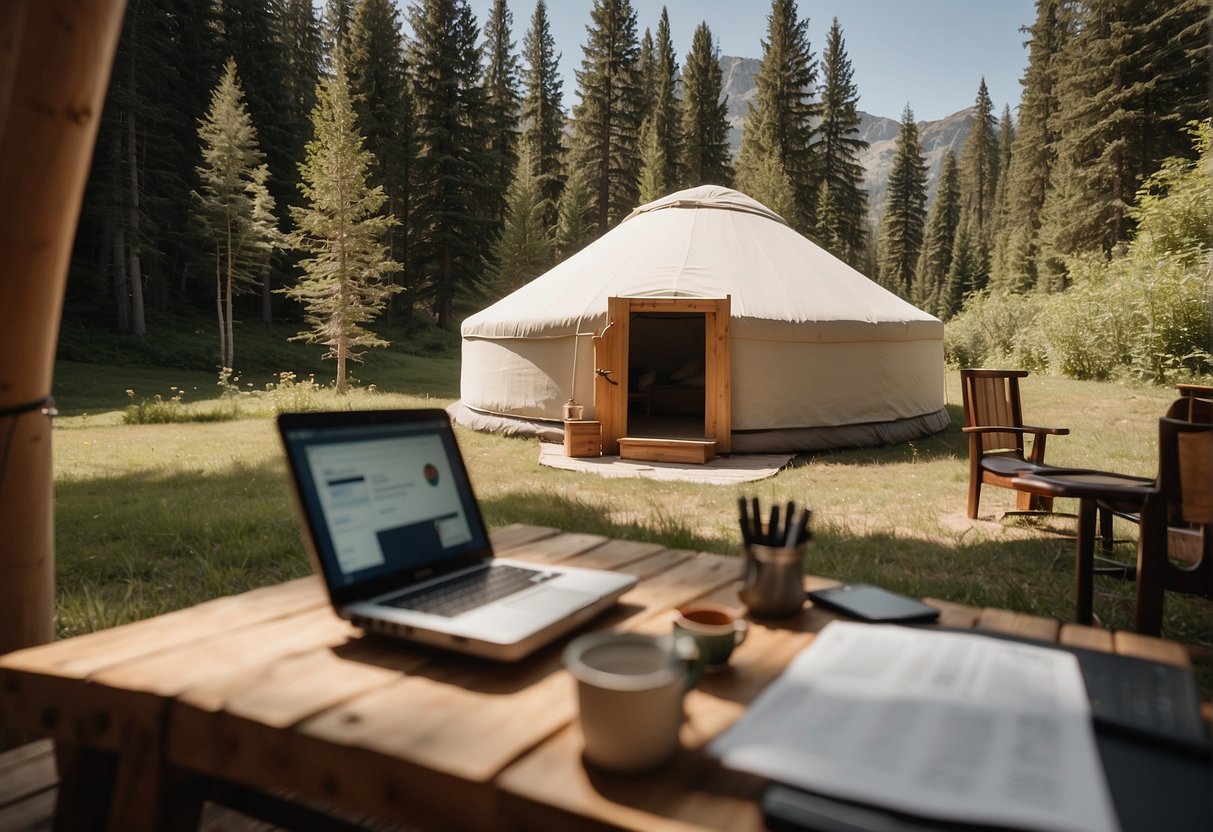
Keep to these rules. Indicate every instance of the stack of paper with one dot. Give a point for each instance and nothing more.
(943, 725)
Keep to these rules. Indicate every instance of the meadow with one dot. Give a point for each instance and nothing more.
(152, 517)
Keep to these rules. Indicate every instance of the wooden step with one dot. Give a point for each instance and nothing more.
(695, 451)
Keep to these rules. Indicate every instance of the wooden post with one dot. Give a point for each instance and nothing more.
(55, 61)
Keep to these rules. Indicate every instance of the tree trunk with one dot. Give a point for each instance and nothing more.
(267, 294)
(138, 323)
(49, 110)
(229, 343)
(219, 309)
(341, 350)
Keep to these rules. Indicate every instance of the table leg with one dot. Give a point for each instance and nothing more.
(1084, 567)
(86, 779)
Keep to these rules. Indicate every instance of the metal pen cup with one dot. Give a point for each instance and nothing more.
(773, 583)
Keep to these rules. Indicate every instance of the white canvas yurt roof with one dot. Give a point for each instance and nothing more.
(821, 355)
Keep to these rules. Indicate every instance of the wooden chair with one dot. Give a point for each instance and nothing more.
(994, 423)
(1175, 546)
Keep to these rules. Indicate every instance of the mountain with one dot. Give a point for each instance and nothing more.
(879, 132)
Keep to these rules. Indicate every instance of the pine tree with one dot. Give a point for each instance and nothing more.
(780, 122)
(646, 69)
(666, 107)
(450, 203)
(234, 207)
(1006, 149)
(936, 257)
(523, 251)
(542, 115)
(501, 108)
(606, 125)
(334, 24)
(1032, 154)
(705, 126)
(979, 165)
(1130, 76)
(577, 223)
(762, 175)
(379, 93)
(653, 184)
(966, 271)
(841, 219)
(298, 36)
(901, 230)
(340, 230)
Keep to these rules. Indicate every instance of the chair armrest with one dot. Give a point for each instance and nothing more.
(1008, 429)
(1050, 431)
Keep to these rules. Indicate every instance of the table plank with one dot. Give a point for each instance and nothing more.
(1150, 647)
(518, 534)
(1019, 624)
(1090, 638)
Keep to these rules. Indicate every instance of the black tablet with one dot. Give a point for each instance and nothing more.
(872, 603)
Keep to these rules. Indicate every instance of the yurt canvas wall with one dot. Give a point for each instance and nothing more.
(821, 355)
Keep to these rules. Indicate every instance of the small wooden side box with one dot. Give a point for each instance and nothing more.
(582, 437)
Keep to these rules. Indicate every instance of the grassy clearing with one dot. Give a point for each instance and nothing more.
(154, 517)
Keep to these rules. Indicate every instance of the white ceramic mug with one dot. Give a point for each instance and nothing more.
(629, 691)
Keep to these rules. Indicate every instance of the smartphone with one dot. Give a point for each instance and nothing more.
(873, 603)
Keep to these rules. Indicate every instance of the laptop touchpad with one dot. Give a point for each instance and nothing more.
(551, 601)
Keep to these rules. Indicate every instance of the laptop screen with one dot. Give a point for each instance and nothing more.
(385, 495)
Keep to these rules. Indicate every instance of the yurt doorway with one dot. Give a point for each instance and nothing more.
(662, 388)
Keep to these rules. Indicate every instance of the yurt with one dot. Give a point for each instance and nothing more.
(703, 315)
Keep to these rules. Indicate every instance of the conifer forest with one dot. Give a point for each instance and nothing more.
(327, 165)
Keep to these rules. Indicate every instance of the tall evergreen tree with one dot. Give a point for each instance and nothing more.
(542, 113)
(979, 165)
(901, 229)
(646, 69)
(523, 251)
(334, 24)
(606, 126)
(340, 230)
(843, 203)
(502, 103)
(135, 232)
(1130, 76)
(780, 122)
(967, 270)
(298, 36)
(577, 223)
(1033, 153)
(234, 207)
(942, 221)
(666, 106)
(450, 202)
(379, 92)
(652, 181)
(705, 126)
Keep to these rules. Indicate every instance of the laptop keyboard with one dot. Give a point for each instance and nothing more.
(465, 592)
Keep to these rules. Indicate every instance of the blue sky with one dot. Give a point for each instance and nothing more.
(931, 53)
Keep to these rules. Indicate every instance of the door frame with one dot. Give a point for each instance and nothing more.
(611, 365)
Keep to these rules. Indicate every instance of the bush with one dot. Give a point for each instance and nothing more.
(996, 328)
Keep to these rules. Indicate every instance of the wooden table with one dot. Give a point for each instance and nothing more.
(269, 692)
(1089, 488)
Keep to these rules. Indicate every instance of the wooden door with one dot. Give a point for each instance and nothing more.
(611, 364)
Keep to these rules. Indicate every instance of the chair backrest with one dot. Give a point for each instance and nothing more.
(1185, 480)
(991, 397)
(1194, 406)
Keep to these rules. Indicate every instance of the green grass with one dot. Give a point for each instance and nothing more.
(154, 517)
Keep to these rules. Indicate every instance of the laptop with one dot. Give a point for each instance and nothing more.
(392, 525)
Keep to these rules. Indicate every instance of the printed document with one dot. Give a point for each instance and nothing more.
(952, 726)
